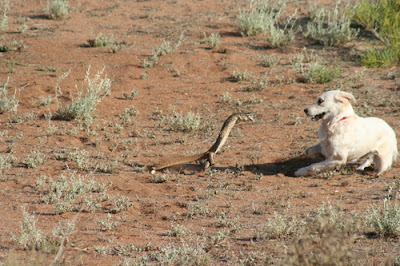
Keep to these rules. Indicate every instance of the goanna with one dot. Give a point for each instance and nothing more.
(208, 156)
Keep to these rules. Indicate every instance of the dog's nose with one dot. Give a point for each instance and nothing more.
(306, 111)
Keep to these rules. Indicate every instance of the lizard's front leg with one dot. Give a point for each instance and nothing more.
(209, 160)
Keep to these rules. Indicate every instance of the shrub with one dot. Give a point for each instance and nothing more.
(268, 60)
(5, 6)
(57, 9)
(213, 40)
(188, 123)
(5, 163)
(127, 115)
(281, 226)
(259, 18)
(101, 40)
(7, 103)
(385, 221)
(312, 69)
(121, 204)
(69, 193)
(317, 73)
(382, 18)
(107, 224)
(320, 74)
(330, 27)
(177, 230)
(30, 237)
(47, 69)
(228, 99)
(160, 178)
(325, 240)
(262, 17)
(87, 98)
(377, 58)
(181, 255)
(166, 47)
(256, 85)
(241, 76)
(36, 158)
(280, 37)
(131, 95)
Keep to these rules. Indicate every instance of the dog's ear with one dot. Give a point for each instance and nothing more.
(345, 97)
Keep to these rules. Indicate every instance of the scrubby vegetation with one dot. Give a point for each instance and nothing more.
(75, 186)
(382, 19)
(89, 94)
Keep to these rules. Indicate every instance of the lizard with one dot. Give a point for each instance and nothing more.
(208, 156)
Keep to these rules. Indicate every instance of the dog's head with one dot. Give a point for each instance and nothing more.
(331, 105)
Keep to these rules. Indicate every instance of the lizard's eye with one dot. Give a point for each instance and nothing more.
(320, 101)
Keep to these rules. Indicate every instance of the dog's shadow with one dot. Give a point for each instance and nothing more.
(286, 167)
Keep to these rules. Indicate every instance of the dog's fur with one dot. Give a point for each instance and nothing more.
(346, 137)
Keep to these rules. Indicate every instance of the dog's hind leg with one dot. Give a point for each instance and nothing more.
(314, 151)
(382, 162)
(385, 156)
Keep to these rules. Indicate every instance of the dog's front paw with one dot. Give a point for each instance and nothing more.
(301, 171)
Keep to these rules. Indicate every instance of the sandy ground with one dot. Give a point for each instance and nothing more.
(222, 214)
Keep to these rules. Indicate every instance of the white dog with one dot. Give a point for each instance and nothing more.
(346, 137)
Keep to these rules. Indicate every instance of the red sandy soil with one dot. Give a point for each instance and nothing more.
(253, 176)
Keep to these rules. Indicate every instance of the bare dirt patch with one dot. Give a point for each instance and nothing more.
(248, 209)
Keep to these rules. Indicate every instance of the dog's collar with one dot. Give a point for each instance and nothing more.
(344, 118)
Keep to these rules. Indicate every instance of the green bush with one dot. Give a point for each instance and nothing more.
(314, 72)
(382, 19)
(376, 58)
(320, 74)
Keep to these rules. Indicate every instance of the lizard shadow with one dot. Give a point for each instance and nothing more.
(286, 167)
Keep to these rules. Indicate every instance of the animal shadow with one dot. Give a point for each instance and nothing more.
(286, 167)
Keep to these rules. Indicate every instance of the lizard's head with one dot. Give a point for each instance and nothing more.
(246, 117)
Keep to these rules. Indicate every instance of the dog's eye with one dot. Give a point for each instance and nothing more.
(320, 101)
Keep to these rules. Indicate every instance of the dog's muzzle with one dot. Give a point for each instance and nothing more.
(315, 117)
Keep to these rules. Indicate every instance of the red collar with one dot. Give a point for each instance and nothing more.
(343, 118)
